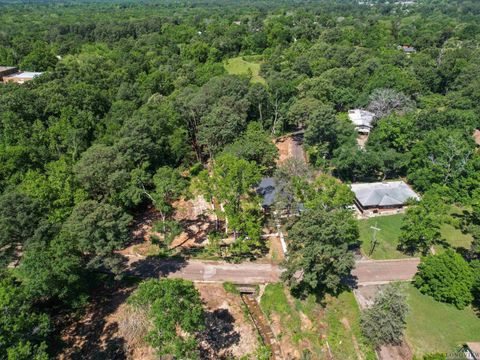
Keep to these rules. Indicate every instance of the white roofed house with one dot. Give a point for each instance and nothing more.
(381, 197)
(362, 119)
(21, 77)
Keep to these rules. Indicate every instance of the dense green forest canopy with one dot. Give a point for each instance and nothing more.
(135, 104)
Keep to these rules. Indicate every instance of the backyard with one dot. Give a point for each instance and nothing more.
(389, 233)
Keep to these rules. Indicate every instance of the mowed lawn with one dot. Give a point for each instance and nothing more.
(433, 326)
(240, 66)
(388, 237)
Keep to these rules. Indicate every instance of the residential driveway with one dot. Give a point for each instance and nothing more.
(367, 272)
(376, 272)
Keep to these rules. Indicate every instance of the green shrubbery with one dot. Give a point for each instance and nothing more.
(446, 277)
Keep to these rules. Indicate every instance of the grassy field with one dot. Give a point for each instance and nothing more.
(437, 327)
(388, 236)
(240, 66)
(343, 318)
(306, 324)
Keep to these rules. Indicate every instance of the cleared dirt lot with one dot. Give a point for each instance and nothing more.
(97, 333)
(290, 147)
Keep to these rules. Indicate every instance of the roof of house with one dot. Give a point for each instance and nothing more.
(24, 75)
(476, 136)
(408, 49)
(362, 118)
(266, 188)
(3, 68)
(383, 193)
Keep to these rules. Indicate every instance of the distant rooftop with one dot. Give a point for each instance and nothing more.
(382, 194)
(408, 49)
(362, 119)
(25, 75)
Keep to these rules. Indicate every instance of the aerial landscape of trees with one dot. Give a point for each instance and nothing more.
(136, 109)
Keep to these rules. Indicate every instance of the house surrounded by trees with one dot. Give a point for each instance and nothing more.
(378, 197)
(362, 119)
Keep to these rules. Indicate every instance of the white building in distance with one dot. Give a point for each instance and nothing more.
(362, 119)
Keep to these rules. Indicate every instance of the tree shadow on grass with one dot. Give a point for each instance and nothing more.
(219, 335)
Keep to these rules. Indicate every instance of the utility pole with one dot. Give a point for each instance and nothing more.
(374, 240)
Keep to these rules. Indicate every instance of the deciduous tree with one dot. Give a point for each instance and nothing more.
(384, 322)
(318, 251)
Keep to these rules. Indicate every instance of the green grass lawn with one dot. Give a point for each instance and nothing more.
(342, 315)
(239, 66)
(454, 237)
(437, 327)
(388, 236)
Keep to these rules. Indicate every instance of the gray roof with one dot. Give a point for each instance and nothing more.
(383, 193)
(266, 188)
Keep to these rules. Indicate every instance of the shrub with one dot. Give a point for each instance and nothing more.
(175, 311)
(385, 321)
(447, 278)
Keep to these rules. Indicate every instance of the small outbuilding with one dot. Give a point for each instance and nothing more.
(362, 119)
(382, 196)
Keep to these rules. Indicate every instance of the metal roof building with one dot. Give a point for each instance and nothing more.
(362, 119)
(380, 195)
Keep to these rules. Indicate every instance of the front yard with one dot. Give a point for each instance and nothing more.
(388, 237)
(433, 326)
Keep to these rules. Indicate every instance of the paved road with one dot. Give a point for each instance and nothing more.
(373, 272)
(368, 272)
(208, 271)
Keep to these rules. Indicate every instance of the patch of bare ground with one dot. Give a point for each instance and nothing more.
(229, 332)
(110, 329)
(290, 147)
(284, 338)
(362, 140)
(95, 335)
(275, 254)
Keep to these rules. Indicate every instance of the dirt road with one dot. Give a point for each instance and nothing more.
(367, 272)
